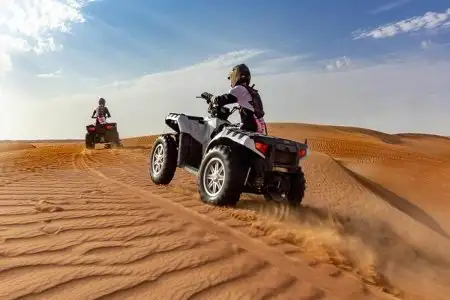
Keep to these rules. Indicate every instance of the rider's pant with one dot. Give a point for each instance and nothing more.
(248, 121)
(255, 125)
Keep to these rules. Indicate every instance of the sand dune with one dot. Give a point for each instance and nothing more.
(6, 147)
(78, 224)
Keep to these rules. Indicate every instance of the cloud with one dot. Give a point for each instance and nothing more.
(389, 6)
(56, 74)
(30, 25)
(425, 44)
(430, 20)
(10, 44)
(407, 95)
(340, 63)
(184, 30)
(282, 63)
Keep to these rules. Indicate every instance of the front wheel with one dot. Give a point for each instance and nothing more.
(163, 160)
(221, 177)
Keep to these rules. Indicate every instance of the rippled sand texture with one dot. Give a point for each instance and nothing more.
(77, 224)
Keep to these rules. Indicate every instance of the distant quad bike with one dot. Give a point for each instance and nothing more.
(102, 133)
(227, 160)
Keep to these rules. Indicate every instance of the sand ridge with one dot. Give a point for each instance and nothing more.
(90, 224)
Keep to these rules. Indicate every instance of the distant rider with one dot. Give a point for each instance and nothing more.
(248, 99)
(101, 111)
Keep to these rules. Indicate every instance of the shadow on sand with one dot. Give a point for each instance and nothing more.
(137, 147)
(399, 203)
(123, 147)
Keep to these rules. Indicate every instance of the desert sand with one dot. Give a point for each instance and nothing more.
(374, 224)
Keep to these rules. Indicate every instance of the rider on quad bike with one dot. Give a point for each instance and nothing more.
(248, 99)
(101, 111)
(103, 131)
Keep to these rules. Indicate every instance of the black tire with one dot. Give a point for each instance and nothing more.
(166, 172)
(297, 188)
(116, 141)
(112, 137)
(89, 140)
(118, 144)
(233, 184)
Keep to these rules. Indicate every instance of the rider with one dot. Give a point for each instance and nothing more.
(248, 99)
(101, 111)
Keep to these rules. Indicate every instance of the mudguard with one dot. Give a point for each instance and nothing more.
(239, 136)
(181, 122)
(248, 138)
(200, 129)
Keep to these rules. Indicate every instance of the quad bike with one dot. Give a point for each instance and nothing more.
(228, 160)
(102, 133)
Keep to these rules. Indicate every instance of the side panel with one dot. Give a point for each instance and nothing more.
(214, 122)
(189, 151)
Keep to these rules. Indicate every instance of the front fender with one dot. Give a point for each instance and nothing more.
(172, 120)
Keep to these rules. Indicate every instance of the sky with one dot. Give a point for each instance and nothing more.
(378, 64)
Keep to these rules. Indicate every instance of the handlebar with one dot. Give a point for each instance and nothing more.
(200, 97)
(208, 101)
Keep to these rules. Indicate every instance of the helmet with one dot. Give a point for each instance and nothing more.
(101, 101)
(240, 74)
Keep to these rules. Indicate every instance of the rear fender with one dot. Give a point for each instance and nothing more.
(303, 146)
(227, 137)
(110, 126)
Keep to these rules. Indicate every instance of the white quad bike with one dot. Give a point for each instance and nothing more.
(228, 160)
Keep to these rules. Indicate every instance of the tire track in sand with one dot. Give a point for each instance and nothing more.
(82, 237)
(205, 217)
(78, 243)
(255, 217)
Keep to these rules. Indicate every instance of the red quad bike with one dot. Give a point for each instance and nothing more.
(102, 133)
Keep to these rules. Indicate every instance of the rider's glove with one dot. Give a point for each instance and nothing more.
(210, 105)
(207, 96)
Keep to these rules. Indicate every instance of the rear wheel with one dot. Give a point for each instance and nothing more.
(297, 188)
(163, 160)
(112, 137)
(90, 141)
(293, 189)
(116, 140)
(221, 177)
